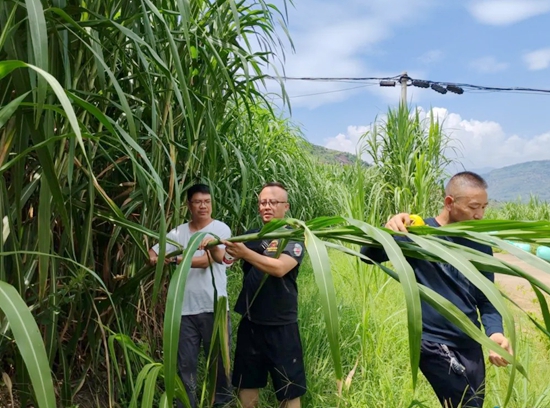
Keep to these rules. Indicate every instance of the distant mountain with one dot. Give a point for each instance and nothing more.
(520, 181)
(483, 170)
(330, 156)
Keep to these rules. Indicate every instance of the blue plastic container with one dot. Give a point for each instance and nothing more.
(543, 252)
(521, 245)
(525, 247)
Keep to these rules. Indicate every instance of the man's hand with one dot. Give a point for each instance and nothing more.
(215, 251)
(503, 342)
(399, 222)
(205, 242)
(237, 250)
(154, 258)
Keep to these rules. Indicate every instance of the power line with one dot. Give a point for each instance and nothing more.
(329, 79)
(333, 91)
(438, 86)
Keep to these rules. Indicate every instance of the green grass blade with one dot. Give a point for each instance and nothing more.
(221, 322)
(140, 380)
(30, 344)
(44, 236)
(7, 111)
(320, 262)
(410, 289)
(39, 38)
(150, 387)
(447, 310)
(163, 403)
(543, 307)
(172, 315)
(525, 256)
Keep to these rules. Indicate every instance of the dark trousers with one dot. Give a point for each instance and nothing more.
(194, 330)
(456, 385)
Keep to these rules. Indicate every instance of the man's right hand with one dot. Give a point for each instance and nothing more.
(153, 257)
(399, 222)
(205, 242)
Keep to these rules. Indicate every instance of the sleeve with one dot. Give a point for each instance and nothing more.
(225, 232)
(295, 249)
(490, 317)
(376, 254)
(173, 235)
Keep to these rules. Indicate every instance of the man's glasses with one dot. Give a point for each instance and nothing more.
(201, 202)
(270, 203)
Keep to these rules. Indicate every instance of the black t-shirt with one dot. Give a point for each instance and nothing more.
(276, 303)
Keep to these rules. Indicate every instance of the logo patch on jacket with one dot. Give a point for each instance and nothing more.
(297, 251)
(273, 245)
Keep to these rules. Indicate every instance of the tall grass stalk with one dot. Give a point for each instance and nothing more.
(408, 154)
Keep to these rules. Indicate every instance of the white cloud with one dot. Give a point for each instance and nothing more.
(479, 143)
(332, 38)
(488, 65)
(348, 142)
(505, 12)
(538, 59)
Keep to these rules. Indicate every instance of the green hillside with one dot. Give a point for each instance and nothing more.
(520, 181)
(331, 156)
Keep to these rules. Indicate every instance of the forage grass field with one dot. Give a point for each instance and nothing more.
(109, 111)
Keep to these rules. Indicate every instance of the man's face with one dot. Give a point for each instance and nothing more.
(469, 204)
(200, 206)
(273, 203)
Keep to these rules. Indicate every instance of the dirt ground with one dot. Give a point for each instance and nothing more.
(519, 289)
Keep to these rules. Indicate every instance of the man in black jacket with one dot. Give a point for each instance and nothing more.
(451, 361)
(268, 339)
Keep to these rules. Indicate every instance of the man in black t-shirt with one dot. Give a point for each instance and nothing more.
(268, 339)
(451, 361)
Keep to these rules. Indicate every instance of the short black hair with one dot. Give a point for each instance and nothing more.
(197, 188)
(465, 178)
(274, 184)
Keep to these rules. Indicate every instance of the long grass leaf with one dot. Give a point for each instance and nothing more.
(140, 381)
(39, 38)
(29, 342)
(320, 262)
(44, 236)
(407, 279)
(447, 309)
(150, 387)
(172, 315)
(7, 111)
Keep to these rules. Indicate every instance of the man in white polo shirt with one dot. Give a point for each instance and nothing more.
(197, 318)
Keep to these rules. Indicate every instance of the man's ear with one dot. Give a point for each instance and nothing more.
(448, 202)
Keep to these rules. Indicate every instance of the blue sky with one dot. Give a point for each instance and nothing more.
(483, 42)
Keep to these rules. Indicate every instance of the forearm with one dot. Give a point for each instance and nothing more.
(217, 253)
(490, 317)
(201, 261)
(271, 266)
